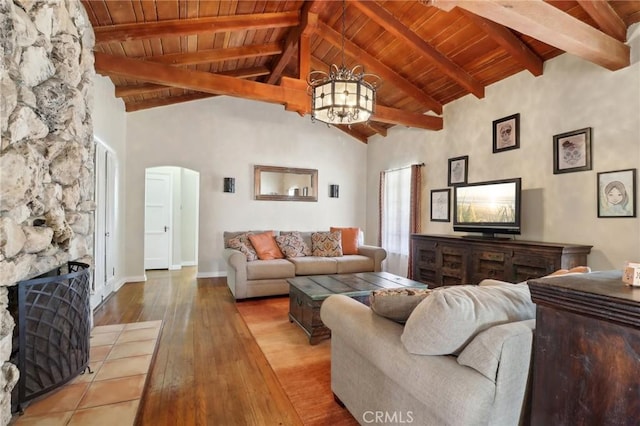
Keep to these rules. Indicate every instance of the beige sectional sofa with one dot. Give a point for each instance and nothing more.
(269, 277)
(435, 370)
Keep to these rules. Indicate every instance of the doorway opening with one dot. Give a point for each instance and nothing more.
(171, 217)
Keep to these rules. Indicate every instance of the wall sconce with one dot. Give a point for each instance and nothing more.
(334, 191)
(229, 184)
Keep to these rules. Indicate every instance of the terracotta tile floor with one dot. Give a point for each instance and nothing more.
(120, 358)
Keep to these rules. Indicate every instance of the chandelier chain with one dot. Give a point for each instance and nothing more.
(342, 96)
(344, 7)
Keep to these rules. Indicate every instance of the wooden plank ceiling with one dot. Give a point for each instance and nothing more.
(428, 53)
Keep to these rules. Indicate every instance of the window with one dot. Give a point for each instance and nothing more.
(399, 216)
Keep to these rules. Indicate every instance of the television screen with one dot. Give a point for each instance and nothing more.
(488, 207)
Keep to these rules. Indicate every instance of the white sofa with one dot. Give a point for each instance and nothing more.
(380, 381)
(269, 277)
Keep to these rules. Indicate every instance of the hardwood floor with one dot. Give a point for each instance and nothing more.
(208, 368)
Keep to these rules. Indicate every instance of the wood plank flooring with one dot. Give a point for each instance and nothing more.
(208, 369)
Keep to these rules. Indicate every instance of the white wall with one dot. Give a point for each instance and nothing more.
(225, 137)
(570, 95)
(109, 125)
(189, 216)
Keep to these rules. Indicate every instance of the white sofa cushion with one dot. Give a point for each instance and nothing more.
(446, 321)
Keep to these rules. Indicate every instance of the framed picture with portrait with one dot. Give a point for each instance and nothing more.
(440, 205)
(506, 133)
(617, 193)
(572, 151)
(458, 170)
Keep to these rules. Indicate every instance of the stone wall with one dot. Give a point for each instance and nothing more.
(46, 152)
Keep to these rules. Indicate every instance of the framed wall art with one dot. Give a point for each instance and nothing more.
(506, 133)
(458, 170)
(617, 193)
(572, 151)
(440, 205)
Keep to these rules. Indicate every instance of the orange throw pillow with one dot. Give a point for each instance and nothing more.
(266, 246)
(349, 239)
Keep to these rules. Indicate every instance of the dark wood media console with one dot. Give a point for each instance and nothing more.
(451, 260)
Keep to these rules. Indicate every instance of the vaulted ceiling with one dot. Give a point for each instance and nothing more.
(427, 53)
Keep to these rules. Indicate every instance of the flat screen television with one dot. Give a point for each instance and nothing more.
(491, 207)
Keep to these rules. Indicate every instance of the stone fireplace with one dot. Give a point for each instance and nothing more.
(46, 150)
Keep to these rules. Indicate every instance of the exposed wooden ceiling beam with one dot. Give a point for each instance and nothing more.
(152, 103)
(139, 89)
(290, 44)
(290, 93)
(509, 42)
(217, 55)
(351, 132)
(388, 115)
(195, 80)
(557, 29)
(382, 131)
(606, 18)
(388, 75)
(387, 21)
(183, 27)
(149, 88)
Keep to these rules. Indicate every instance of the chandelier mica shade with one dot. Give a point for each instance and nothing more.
(341, 97)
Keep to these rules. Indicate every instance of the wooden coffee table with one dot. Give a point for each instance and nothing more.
(307, 293)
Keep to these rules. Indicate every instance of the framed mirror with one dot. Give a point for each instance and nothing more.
(285, 183)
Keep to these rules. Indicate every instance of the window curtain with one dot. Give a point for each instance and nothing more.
(399, 210)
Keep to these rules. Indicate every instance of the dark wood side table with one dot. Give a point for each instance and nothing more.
(586, 365)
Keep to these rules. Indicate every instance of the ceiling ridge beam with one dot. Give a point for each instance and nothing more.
(388, 75)
(389, 22)
(509, 42)
(217, 55)
(557, 29)
(606, 18)
(184, 27)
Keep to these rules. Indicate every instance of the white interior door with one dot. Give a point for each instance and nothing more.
(157, 238)
(99, 253)
(110, 221)
(104, 261)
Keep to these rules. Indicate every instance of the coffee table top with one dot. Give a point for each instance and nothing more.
(319, 287)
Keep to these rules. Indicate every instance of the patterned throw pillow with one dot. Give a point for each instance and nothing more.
(397, 303)
(326, 244)
(242, 243)
(292, 245)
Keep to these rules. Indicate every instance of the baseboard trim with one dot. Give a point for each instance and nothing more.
(134, 279)
(216, 274)
(190, 263)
